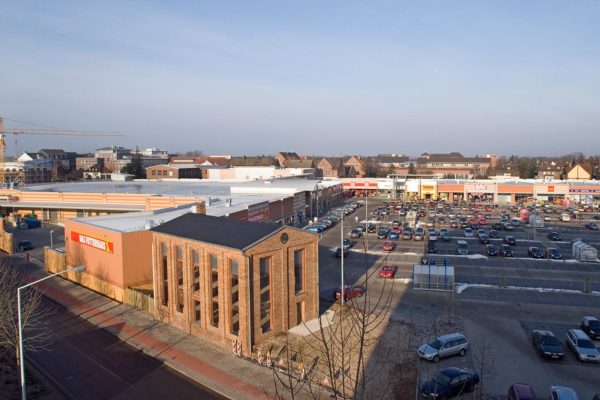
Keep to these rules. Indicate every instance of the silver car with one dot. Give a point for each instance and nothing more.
(444, 346)
(582, 346)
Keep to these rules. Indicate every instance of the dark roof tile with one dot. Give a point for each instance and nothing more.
(217, 230)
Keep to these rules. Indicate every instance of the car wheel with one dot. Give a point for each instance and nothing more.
(436, 359)
(462, 352)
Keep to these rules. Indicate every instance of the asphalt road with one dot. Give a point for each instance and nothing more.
(92, 364)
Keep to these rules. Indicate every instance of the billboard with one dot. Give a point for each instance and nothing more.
(97, 243)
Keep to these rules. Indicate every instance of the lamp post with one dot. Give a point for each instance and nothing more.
(51, 241)
(79, 268)
(342, 248)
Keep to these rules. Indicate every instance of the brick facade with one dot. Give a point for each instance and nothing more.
(185, 298)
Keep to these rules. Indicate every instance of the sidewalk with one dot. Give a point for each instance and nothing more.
(199, 360)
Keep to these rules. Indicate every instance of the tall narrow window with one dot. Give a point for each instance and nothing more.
(265, 294)
(299, 270)
(214, 278)
(235, 298)
(165, 274)
(196, 269)
(179, 270)
(196, 311)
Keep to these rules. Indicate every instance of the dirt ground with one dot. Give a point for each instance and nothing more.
(10, 387)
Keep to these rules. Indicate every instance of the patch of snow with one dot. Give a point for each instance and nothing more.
(403, 280)
(476, 256)
(461, 287)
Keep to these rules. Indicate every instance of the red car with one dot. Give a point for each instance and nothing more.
(388, 271)
(350, 292)
(389, 246)
(397, 229)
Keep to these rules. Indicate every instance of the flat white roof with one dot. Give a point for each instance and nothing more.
(135, 221)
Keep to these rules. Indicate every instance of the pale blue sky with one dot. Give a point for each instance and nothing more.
(316, 77)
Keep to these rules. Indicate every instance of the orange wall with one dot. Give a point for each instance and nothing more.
(99, 263)
(519, 189)
(454, 188)
(137, 258)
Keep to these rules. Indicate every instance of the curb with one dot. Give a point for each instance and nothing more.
(58, 385)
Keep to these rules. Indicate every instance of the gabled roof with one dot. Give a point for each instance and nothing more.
(288, 155)
(256, 161)
(299, 164)
(217, 230)
(52, 152)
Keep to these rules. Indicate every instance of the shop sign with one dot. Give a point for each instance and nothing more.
(550, 189)
(258, 212)
(428, 187)
(480, 187)
(584, 190)
(100, 244)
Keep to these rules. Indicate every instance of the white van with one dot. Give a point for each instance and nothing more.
(565, 217)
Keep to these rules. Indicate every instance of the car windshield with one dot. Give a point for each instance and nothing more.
(436, 344)
(442, 379)
(585, 344)
(550, 341)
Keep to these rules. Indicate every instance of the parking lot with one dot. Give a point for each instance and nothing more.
(506, 299)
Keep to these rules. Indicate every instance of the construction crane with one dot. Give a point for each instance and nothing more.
(49, 132)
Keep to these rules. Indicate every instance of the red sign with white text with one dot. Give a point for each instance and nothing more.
(100, 244)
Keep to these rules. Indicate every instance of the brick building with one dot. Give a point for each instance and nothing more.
(173, 171)
(330, 167)
(231, 281)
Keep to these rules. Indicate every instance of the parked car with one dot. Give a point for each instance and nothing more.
(25, 245)
(582, 346)
(431, 248)
(509, 240)
(494, 234)
(348, 243)
(468, 232)
(553, 253)
(388, 271)
(444, 346)
(355, 234)
(591, 226)
(554, 236)
(506, 251)
(521, 391)
(562, 393)
(462, 248)
(484, 239)
(591, 326)
(372, 228)
(547, 344)
(393, 235)
(450, 382)
(407, 233)
(350, 292)
(535, 252)
(491, 250)
(419, 234)
(383, 232)
(389, 246)
(444, 235)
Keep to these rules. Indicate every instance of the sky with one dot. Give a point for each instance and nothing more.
(316, 77)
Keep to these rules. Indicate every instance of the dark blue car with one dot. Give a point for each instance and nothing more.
(450, 382)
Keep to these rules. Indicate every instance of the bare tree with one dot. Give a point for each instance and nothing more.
(484, 362)
(352, 354)
(33, 315)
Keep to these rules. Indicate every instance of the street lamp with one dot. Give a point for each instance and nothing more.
(79, 268)
(51, 241)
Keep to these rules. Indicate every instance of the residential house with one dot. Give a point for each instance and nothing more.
(359, 164)
(330, 167)
(283, 157)
(580, 172)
